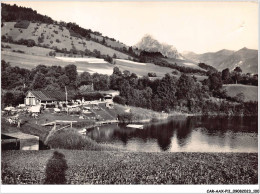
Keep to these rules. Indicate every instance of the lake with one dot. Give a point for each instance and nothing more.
(191, 134)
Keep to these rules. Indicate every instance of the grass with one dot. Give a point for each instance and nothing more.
(250, 92)
(92, 167)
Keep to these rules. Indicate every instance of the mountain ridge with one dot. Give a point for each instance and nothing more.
(246, 59)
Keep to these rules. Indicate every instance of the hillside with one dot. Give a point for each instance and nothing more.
(29, 34)
(56, 37)
(246, 59)
(250, 92)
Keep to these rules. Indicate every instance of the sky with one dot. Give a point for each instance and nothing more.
(189, 26)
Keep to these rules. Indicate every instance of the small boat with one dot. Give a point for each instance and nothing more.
(135, 126)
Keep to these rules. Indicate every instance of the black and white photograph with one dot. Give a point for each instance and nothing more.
(133, 93)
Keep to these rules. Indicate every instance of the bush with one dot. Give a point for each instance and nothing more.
(5, 46)
(41, 39)
(119, 100)
(125, 118)
(22, 24)
(18, 51)
(150, 74)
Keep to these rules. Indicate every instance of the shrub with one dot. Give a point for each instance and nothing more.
(119, 100)
(151, 74)
(57, 40)
(41, 39)
(18, 51)
(22, 24)
(28, 43)
(5, 46)
(125, 118)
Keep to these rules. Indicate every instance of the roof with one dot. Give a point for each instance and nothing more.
(47, 95)
(20, 135)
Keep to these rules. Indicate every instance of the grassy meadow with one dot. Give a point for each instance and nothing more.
(250, 92)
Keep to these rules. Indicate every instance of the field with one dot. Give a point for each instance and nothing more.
(184, 63)
(30, 61)
(103, 167)
(142, 70)
(250, 92)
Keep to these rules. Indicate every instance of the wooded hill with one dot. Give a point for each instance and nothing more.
(25, 26)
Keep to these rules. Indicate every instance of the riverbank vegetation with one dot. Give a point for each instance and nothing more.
(91, 167)
(71, 139)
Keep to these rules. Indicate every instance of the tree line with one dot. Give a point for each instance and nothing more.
(169, 93)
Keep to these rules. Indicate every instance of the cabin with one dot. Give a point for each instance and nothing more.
(34, 98)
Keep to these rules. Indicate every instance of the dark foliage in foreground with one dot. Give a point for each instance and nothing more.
(133, 168)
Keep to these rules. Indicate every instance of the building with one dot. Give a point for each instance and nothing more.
(19, 141)
(45, 97)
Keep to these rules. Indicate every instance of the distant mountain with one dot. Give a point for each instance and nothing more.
(246, 59)
(148, 43)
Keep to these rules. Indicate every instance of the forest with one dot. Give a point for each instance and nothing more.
(183, 94)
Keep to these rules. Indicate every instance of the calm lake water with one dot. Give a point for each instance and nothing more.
(192, 134)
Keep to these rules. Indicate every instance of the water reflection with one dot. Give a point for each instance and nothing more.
(197, 134)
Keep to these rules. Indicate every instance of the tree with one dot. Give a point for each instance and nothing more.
(238, 70)
(167, 90)
(126, 73)
(186, 87)
(84, 79)
(39, 81)
(236, 74)
(226, 76)
(63, 81)
(116, 71)
(215, 81)
(71, 72)
(100, 82)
